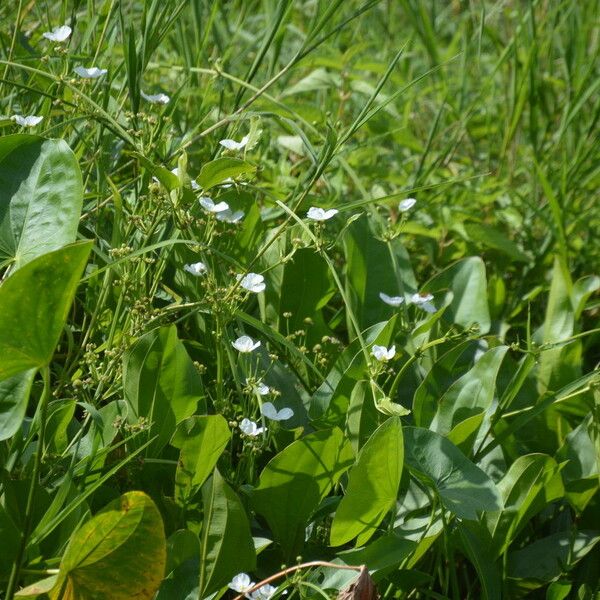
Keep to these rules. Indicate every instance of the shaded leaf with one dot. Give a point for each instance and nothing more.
(464, 489)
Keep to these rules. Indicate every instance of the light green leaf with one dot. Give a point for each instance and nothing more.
(374, 266)
(226, 545)
(372, 487)
(296, 480)
(201, 441)
(464, 489)
(41, 194)
(34, 304)
(470, 395)
(218, 170)
(161, 384)
(119, 554)
(14, 394)
(467, 281)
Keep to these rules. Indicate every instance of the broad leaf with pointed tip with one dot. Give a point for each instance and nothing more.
(463, 488)
(34, 305)
(372, 487)
(41, 194)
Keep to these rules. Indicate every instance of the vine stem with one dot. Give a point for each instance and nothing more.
(43, 412)
(306, 565)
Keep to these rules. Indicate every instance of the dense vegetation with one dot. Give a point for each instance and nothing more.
(296, 281)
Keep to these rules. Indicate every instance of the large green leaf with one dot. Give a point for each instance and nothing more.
(201, 441)
(467, 281)
(374, 266)
(34, 304)
(161, 384)
(119, 554)
(14, 394)
(296, 480)
(531, 483)
(226, 546)
(372, 487)
(462, 487)
(307, 286)
(470, 395)
(41, 194)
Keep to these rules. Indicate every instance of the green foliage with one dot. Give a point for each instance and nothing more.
(148, 449)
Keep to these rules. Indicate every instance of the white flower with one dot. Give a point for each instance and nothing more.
(227, 183)
(406, 204)
(391, 300)
(230, 217)
(382, 353)
(193, 184)
(269, 411)
(233, 145)
(253, 282)
(250, 428)
(264, 592)
(209, 206)
(30, 121)
(260, 388)
(245, 344)
(319, 214)
(58, 34)
(196, 269)
(240, 583)
(423, 301)
(91, 73)
(155, 98)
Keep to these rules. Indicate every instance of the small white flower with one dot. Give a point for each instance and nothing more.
(155, 98)
(227, 183)
(193, 184)
(423, 301)
(319, 214)
(233, 145)
(250, 428)
(245, 344)
(260, 388)
(253, 282)
(91, 73)
(264, 592)
(196, 269)
(30, 121)
(406, 204)
(391, 300)
(269, 411)
(58, 34)
(382, 353)
(209, 206)
(230, 217)
(240, 583)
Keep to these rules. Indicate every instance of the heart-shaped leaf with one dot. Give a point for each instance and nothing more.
(41, 194)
